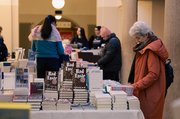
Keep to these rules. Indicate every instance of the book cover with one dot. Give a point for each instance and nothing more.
(79, 78)
(51, 81)
(31, 55)
(36, 88)
(68, 69)
(21, 78)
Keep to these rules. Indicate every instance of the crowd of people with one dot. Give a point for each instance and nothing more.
(147, 74)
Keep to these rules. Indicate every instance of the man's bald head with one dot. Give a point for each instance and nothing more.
(105, 32)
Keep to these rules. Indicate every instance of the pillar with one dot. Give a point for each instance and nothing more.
(172, 42)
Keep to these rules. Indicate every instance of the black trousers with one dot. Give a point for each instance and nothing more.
(47, 64)
(114, 75)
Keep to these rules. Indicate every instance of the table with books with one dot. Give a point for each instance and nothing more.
(88, 114)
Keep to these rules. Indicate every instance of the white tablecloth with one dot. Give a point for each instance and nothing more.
(87, 114)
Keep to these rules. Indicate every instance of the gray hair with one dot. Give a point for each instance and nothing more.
(139, 28)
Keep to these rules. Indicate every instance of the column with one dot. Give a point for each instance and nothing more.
(129, 12)
(9, 15)
(172, 42)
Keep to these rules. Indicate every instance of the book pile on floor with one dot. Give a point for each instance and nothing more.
(119, 100)
(102, 101)
(133, 103)
(63, 104)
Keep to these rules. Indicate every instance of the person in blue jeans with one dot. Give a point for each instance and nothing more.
(47, 44)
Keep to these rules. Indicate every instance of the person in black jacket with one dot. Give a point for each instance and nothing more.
(3, 48)
(80, 40)
(95, 40)
(110, 60)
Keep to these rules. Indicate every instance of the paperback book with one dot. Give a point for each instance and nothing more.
(51, 81)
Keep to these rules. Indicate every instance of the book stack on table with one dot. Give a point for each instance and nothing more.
(119, 100)
(103, 101)
(133, 103)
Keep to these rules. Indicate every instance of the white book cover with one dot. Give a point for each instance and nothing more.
(95, 77)
(9, 81)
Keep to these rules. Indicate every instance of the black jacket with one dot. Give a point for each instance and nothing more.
(80, 42)
(3, 50)
(111, 55)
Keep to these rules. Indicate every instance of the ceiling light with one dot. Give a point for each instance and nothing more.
(58, 4)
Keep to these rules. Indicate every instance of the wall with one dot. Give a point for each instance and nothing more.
(9, 21)
(145, 11)
(158, 17)
(82, 12)
(109, 14)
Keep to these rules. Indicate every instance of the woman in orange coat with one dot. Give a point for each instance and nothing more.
(147, 74)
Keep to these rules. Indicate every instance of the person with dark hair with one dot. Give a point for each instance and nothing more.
(47, 44)
(80, 39)
(3, 48)
(95, 40)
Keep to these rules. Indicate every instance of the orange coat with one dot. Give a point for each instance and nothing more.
(149, 80)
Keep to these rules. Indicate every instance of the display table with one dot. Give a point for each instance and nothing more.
(87, 114)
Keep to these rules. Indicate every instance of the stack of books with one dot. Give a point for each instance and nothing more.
(49, 104)
(103, 101)
(80, 96)
(67, 83)
(35, 101)
(66, 93)
(20, 98)
(92, 98)
(133, 103)
(63, 104)
(126, 88)
(51, 85)
(119, 100)
(50, 94)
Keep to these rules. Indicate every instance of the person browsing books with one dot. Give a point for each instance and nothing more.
(47, 44)
(147, 74)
